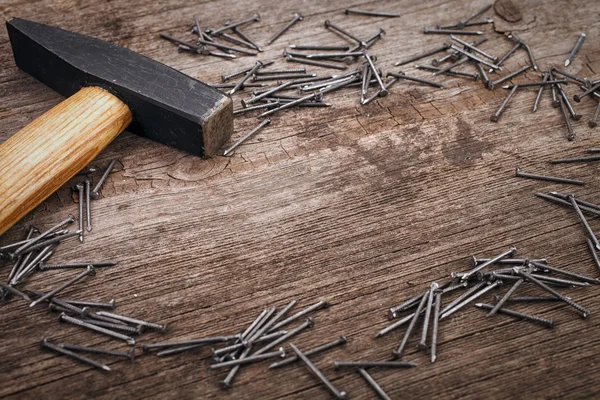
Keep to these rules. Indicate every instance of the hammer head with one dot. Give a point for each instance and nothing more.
(167, 105)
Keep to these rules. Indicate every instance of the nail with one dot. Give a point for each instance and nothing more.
(237, 346)
(434, 330)
(508, 54)
(14, 291)
(408, 304)
(371, 364)
(542, 83)
(315, 371)
(383, 92)
(508, 261)
(241, 34)
(428, 53)
(192, 342)
(423, 343)
(263, 78)
(109, 304)
(511, 251)
(476, 15)
(80, 190)
(474, 48)
(70, 219)
(247, 136)
(584, 222)
(314, 96)
(397, 353)
(254, 325)
(88, 210)
(493, 84)
(317, 47)
(297, 17)
(565, 273)
(521, 174)
(242, 81)
(160, 327)
(177, 350)
(575, 159)
(226, 383)
(254, 18)
(451, 31)
(267, 326)
(474, 58)
(585, 313)
(355, 11)
(27, 269)
(440, 71)
(581, 203)
(380, 392)
(570, 76)
(592, 250)
(474, 296)
(318, 306)
(65, 318)
(225, 78)
(315, 350)
(245, 85)
(553, 199)
(60, 306)
(236, 40)
(89, 271)
(474, 76)
(395, 325)
(138, 330)
(329, 25)
(483, 74)
(307, 324)
(401, 75)
(100, 264)
(323, 64)
(575, 48)
(574, 115)
(105, 319)
(283, 71)
(458, 26)
(325, 56)
(594, 121)
(535, 319)
(496, 116)
(47, 345)
(366, 79)
(536, 103)
(509, 293)
(249, 359)
(587, 92)
(528, 299)
(560, 281)
(127, 354)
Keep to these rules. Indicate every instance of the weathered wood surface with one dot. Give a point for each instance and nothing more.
(360, 205)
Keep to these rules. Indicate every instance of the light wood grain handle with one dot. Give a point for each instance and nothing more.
(45, 154)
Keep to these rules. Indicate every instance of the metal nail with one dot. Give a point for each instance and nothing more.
(109, 304)
(571, 76)
(47, 345)
(474, 296)
(14, 291)
(536, 103)
(323, 64)
(383, 92)
(593, 253)
(406, 305)
(371, 364)
(493, 84)
(191, 342)
(498, 113)
(528, 299)
(507, 54)
(474, 76)
(575, 48)
(476, 15)
(28, 245)
(428, 53)
(423, 343)
(585, 313)
(575, 159)
(434, 330)
(160, 327)
(511, 251)
(509, 293)
(556, 200)
(242, 81)
(538, 320)
(237, 346)
(65, 318)
(397, 353)
(247, 136)
(254, 18)
(73, 347)
(594, 121)
(401, 75)
(565, 273)
(329, 25)
(584, 222)
(562, 93)
(97, 264)
(80, 189)
(451, 31)
(587, 92)
(88, 209)
(355, 11)
(89, 271)
(315, 371)
(521, 174)
(315, 350)
(318, 306)
(250, 359)
(474, 57)
(297, 17)
(307, 324)
(474, 49)
(138, 330)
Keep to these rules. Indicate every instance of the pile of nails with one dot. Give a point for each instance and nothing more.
(32, 254)
(486, 275)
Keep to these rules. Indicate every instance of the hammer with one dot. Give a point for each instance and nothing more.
(108, 89)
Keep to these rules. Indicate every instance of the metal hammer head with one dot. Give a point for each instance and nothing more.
(167, 106)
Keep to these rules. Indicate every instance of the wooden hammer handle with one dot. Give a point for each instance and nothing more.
(45, 154)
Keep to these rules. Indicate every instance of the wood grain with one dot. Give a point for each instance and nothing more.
(364, 206)
(44, 155)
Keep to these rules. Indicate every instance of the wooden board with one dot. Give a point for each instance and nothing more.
(363, 206)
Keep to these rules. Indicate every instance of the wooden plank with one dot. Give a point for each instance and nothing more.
(363, 206)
